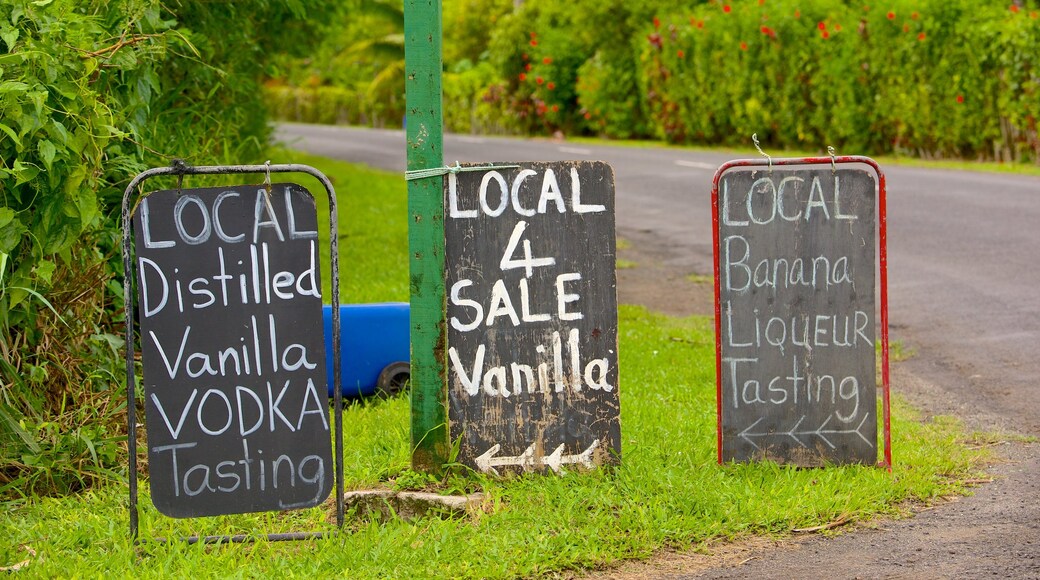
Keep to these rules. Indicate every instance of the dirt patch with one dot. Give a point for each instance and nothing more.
(993, 533)
(661, 277)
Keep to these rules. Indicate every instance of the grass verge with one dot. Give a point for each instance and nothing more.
(668, 492)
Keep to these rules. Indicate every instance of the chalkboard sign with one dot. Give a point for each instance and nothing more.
(796, 265)
(230, 312)
(532, 316)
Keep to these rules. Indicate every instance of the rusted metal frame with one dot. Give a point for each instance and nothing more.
(883, 266)
(180, 169)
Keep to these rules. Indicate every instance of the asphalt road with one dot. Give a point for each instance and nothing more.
(963, 248)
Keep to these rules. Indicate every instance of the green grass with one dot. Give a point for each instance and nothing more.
(668, 491)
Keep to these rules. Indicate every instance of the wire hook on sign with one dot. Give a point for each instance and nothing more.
(267, 187)
(830, 150)
(754, 139)
(180, 167)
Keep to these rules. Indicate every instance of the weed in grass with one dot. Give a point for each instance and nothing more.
(623, 264)
(700, 279)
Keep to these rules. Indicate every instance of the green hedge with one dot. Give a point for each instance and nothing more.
(924, 77)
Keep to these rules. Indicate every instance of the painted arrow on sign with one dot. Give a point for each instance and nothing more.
(822, 432)
(527, 460)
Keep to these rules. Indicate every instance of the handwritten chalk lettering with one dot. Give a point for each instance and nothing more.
(528, 262)
(501, 304)
(767, 201)
(258, 282)
(216, 413)
(741, 271)
(558, 370)
(495, 196)
(804, 331)
(247, 358)
(246, 472)
(798, 387)
(207, 219)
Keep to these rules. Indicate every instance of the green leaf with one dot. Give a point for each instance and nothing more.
(24, 173)
(45, 270)
(10, 133)
(47, 151)
(9, 36)
(42, 2)
(11, 230)
(13, 86)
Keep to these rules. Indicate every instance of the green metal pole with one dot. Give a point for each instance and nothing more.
(430, 434)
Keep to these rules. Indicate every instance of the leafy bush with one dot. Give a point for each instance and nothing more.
(928, 78)
(92, 92)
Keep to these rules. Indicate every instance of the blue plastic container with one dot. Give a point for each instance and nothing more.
(373, 337)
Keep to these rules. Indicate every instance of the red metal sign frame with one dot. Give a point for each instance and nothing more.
(886, 462)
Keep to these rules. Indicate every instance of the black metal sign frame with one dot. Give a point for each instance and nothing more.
(180, 169)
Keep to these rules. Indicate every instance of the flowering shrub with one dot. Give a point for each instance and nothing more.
(925, 77)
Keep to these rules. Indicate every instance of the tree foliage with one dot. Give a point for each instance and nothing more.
(937, 78)
(91, 93)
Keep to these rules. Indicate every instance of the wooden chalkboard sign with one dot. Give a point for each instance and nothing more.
(532, 316)
(795, 307)
(230, 312)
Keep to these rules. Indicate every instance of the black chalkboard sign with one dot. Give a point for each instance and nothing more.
(532, 316)
(796, 278)
(230, 312)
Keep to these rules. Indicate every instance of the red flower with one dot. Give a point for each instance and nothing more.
(726, 8)
(891, 15)
(657, 23)
(743, 46)
(523, 77)
(700, 24)
(556, 108)
(921, 36)
(655, 39)
(913, 15)
(1013, 8)
(527, 67)
(539, 80)
(768, 32)
(534, 42)
(837, 28)
(906, 28)
(1034, 15)
(960, 98)
(825, 34)
(680, 54)
(551, 86)
(761, 2)
(797, 13)
(525, 56)
(588, 116)
(547, 60)
(822, 26)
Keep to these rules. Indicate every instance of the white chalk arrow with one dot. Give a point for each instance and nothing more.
(794, 433)
(557, 458)
(487, 462)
